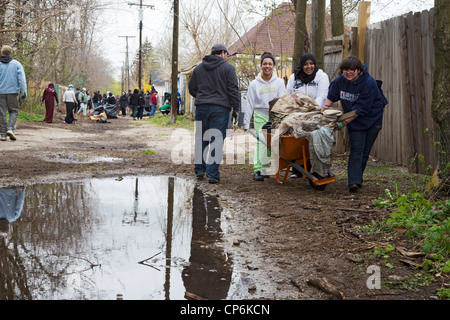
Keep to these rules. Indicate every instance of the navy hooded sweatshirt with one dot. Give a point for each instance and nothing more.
(214, 82)
(362, 95)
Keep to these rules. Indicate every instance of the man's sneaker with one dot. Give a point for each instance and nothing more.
(200, 176)
(213, 181)
(11, 135)
(3, 138)
(257, 176)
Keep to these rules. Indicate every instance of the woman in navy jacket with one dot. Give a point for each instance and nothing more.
(358, 90)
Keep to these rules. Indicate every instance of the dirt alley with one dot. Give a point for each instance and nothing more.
(281, 236)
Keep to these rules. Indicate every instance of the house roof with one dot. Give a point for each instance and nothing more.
(275, 33)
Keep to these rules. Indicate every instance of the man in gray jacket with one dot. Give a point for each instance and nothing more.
(12, 82)
(214, 86)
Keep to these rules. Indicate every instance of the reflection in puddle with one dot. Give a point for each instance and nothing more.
(140, 238)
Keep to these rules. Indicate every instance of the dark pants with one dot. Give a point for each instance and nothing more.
(361, 142)
(69, 112)
(134, 111)
(211, 126)
(140, 112)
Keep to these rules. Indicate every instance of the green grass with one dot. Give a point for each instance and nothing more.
(183, 121)
(29, 117)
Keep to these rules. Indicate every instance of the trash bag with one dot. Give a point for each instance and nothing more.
(110, 110)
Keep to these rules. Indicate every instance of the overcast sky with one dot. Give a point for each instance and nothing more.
(123, 20)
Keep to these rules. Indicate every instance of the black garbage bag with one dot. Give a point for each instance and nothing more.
(110, 110)
(99, 110)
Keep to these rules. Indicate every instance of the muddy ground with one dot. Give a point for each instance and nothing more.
(283, 237)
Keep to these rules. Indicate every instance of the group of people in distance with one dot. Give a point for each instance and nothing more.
(214, 86)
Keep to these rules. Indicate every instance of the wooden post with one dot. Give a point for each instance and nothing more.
(175, 64)
(363, 21)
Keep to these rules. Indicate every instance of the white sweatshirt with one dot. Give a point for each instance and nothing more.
(259, 94)
(316, 89)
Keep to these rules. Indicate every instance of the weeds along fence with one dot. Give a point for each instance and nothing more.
(400, 52)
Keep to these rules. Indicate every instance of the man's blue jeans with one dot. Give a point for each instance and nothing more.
(210, 131)
(152, 109)
(9, 103)
(361, 143)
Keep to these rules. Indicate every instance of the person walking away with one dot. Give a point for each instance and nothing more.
(49, 97)
(77, 103)
(308, 79)
(134, 103)
(13, 84)
(358, 91)
(147, 97)
(266, 87)
(70, 100)
(97, 99)
(129, 105)
(123, 102)
(89, 104)
(141, 105)
(83, 100)
(214, 86)
(153, 103)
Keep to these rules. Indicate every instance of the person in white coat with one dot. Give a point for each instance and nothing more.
(308, 79)
(266, 87)
(70, 100)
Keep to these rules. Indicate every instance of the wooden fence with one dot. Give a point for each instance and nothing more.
(400, 52)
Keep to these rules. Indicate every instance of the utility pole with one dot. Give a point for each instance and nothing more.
(127, 62)
(141, 18)
(174, 97)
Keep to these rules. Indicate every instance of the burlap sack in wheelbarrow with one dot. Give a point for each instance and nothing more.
(300, 116)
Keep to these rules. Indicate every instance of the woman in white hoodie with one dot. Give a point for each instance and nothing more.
(310, 80)
(266, 87)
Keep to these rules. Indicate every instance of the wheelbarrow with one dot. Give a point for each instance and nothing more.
(294, 152)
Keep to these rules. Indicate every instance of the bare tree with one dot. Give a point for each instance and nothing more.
(337, 19)
(318, 30)
(300, 31)
(52, 38)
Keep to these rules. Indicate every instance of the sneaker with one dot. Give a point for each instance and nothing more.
(353, 187)
(11, 135)
(257, 176)
(212, 180)
(200, 176)
(3, 138)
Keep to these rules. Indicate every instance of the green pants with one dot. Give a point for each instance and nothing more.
(262, 154)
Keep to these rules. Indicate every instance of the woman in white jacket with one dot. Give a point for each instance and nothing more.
(70, 100)
(310, 80)
(266, 87)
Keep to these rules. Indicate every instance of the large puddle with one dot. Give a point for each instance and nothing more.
(139, 238)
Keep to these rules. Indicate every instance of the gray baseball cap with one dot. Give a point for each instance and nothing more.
(219, 47)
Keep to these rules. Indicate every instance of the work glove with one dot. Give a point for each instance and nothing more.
(340, 125)
(23, 97)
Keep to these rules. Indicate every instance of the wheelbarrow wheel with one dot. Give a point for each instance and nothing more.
(315, 186)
